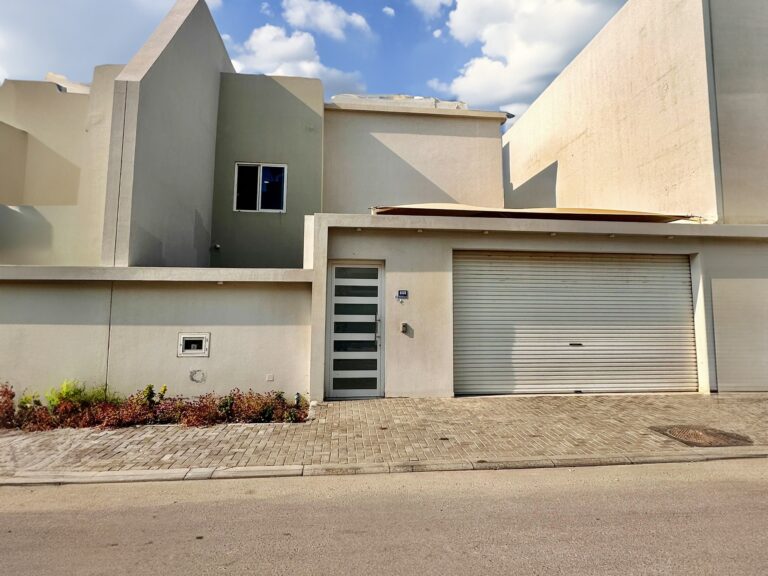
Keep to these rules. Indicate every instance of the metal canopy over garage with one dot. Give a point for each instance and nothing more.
(563, 322)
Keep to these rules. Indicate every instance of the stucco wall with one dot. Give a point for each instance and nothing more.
(57, 143)
(740, 56)
(273, 120)
(162, 162)
(256, 330)
(52, 331)
(741, 333)
(385, 159)
(627, 124)
(421, 364)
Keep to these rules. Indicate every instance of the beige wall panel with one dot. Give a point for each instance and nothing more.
(255, 330)
(13, 164)
(740, 54)
(59, 214)
(53, 331)
(168, 143)
(741, 334)
(627, 123)
(385, 159)
(422, 365)
(272, 120)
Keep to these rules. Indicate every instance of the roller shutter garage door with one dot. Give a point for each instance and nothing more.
(559, 323)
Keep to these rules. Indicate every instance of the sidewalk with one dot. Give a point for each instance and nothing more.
(394, 435)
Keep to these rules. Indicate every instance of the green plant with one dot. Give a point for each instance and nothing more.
(29, 401)
(77, 393)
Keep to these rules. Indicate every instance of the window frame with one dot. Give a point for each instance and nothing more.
(204, 352)
(258, 191)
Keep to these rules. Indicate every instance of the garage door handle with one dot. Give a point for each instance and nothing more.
(575, 344)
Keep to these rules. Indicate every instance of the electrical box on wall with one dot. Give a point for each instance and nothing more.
(194, 344)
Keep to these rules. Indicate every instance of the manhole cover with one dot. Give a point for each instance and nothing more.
(703, 437)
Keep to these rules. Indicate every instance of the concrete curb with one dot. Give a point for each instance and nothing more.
(41, 477)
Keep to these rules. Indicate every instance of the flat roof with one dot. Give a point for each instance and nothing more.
(378, 108)
(466, 211)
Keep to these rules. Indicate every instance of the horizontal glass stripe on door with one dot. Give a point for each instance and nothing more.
(355, 364)
(354, 327)
(356, 309)
(357, 273)
(355, 383)
(357, 291)
(355, 346)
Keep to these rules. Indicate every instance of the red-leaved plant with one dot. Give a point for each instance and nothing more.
(7, 409)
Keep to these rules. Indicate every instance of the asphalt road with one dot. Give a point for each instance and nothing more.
(704, 518)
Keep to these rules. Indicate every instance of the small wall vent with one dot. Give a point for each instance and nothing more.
(194, 344)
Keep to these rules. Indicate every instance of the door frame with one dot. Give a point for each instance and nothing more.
(329, 394)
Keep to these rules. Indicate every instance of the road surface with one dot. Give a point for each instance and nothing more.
(702, 518)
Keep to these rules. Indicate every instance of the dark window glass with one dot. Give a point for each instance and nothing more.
(356, 309)
(247, 187)
(358, 273)
(354, 383)
(354, 327)
(191, 344)
(354, 346)
(354, 363)
(272, 188)
(358, 291)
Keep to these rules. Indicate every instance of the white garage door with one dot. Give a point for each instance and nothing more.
(552, 322)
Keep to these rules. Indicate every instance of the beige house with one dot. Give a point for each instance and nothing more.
(178, 223)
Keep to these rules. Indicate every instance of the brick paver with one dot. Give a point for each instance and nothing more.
(398, 430)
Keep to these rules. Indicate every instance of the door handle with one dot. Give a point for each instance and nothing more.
(378, 325)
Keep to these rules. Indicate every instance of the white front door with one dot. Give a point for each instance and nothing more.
(354, 331)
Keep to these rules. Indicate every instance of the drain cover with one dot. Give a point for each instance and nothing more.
(703, 437)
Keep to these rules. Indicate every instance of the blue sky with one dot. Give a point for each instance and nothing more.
(490, 53)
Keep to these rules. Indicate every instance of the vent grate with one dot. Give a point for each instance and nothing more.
(702, 436)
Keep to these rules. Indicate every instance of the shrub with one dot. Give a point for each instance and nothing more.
(205, 410)
(7, 410)
(170, 410)
(134, 411)
(72, 405)
(75, 392)
(35, 418)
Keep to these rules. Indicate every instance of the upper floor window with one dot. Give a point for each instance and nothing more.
(260, 187)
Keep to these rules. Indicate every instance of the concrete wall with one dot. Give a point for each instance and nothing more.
(421, 364)
(162, 154)
(740, 56)
(741, 333)
(627, 124)
(53, 165)
(273, 120)
(52, 331)
(385, 159)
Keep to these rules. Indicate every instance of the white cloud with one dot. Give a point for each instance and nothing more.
(214, 4)
(524, 44)
(437, 33)
(438, 86)
(270, 50)
(431, 8)
(388, 10)
(266, 9)
(322, 16)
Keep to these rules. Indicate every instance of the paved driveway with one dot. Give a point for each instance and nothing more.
(399, 430)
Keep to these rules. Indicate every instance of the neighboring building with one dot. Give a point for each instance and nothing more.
(178, 223)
